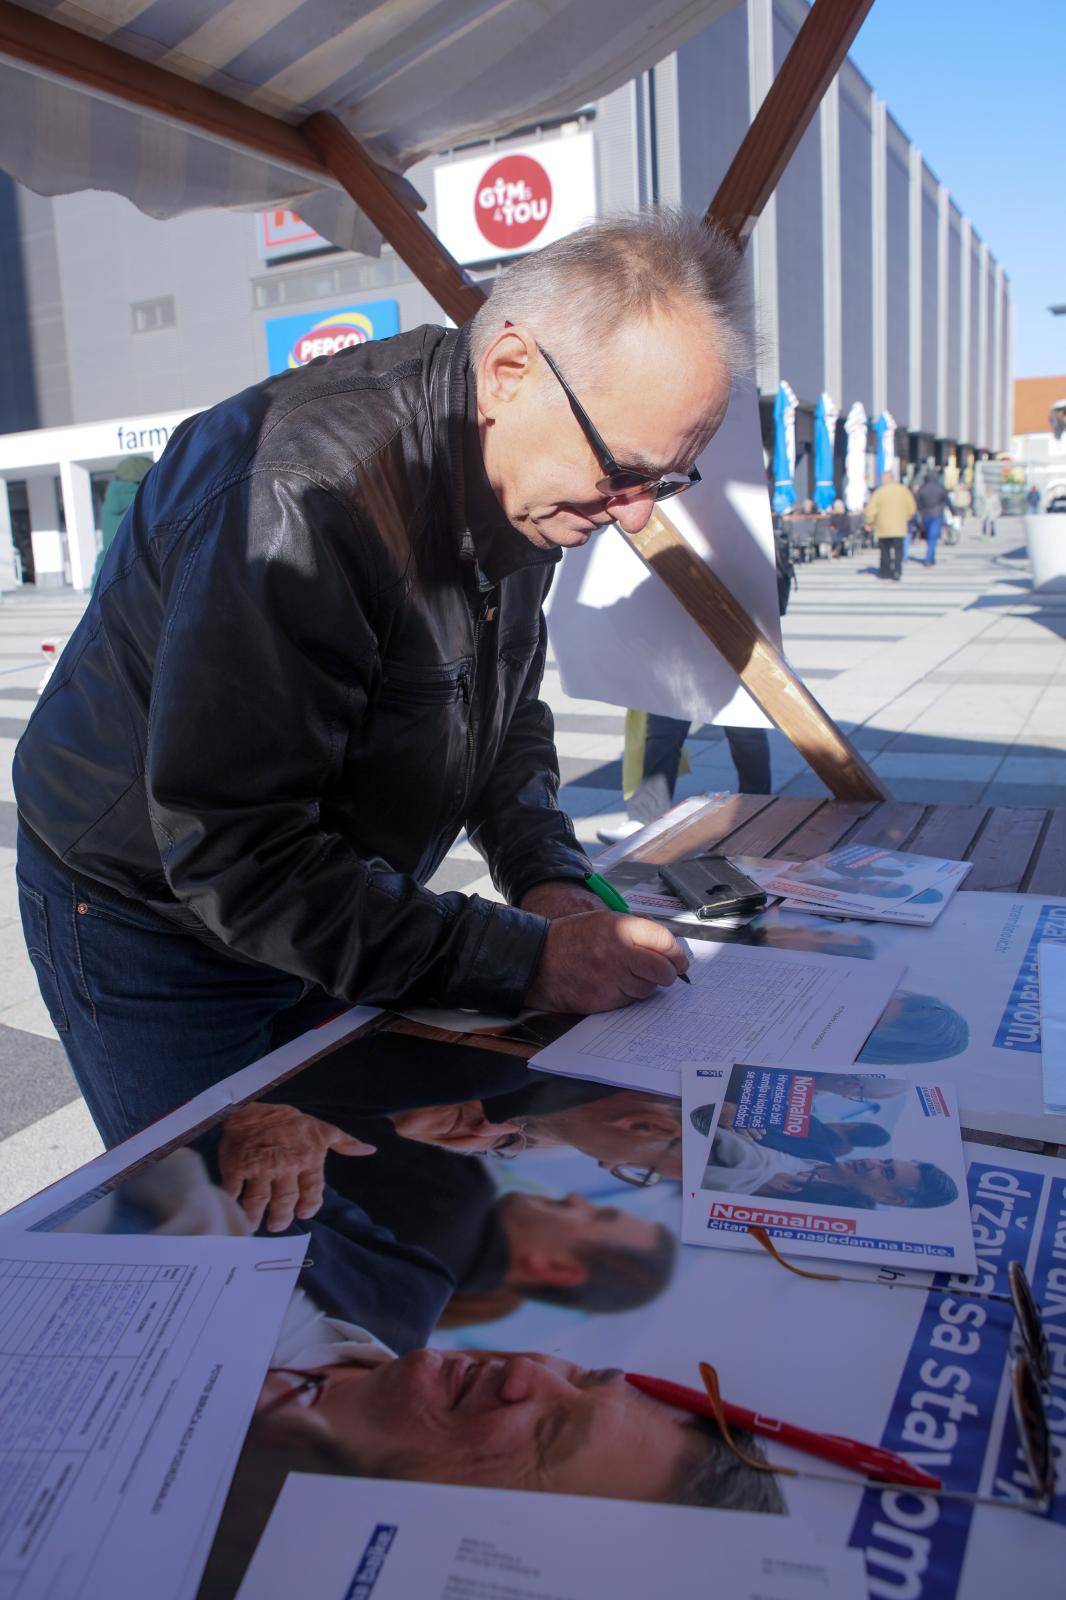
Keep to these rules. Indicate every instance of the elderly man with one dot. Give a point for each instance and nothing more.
(888, 513)
(314, 656)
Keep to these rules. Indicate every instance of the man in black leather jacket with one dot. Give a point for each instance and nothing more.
(314, 655)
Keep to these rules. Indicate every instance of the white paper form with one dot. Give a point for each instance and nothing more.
(329, 1537)
(742, 1004)
(129, 1367)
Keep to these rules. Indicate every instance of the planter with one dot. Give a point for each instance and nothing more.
(1045, 535)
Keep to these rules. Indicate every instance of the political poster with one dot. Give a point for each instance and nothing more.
(491, 1250)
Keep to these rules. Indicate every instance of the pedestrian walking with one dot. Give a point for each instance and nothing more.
(933, 503)
(888, 511)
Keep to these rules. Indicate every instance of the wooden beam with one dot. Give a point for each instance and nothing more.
(405, 231)
(781, 121)
(763, 671)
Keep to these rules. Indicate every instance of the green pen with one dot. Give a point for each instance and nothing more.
(614, 902)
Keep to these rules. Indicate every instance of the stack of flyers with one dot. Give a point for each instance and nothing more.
(864, 881)
(852, 1166)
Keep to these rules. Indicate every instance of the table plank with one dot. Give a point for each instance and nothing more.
(889, 825)
(1003, 850)
(1047, 870)
(825, 829)
(948, 831)
(771, 828)
(703, 832)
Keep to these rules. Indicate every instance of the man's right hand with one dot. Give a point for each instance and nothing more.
(601, 960)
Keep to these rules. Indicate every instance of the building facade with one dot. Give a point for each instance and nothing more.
(869, 283)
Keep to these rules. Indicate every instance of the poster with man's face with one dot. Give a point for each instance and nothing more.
(492, 1250)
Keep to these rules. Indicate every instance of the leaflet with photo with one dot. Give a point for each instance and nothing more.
(335, 1536)
(865, 881)
(853, 1167)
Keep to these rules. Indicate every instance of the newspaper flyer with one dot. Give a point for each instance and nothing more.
(863, 881)
(467, 1319)
(1052, 964)
(851, 1167)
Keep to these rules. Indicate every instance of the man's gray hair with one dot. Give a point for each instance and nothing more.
(574, 294)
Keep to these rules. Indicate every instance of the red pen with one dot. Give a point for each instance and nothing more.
(867, 1459)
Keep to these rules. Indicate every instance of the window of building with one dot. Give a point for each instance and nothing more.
(150, 315)
(326, 278)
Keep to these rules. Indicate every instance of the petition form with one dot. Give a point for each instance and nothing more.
(368, 1539)
(129, 1367)
(742, 1004)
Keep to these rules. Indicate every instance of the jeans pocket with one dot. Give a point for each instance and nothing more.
(39, 946)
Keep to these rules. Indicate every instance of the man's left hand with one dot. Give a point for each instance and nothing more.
(560, 897)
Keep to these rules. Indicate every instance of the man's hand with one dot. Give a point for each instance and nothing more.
(560, 897)
(273, 1155)
(602, 960)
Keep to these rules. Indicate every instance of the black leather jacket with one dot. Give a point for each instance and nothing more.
(314, 654)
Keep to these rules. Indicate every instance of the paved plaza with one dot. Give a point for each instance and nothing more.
(952, 683)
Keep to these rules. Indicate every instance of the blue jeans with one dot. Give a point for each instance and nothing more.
(148, 1015)
(932, 527)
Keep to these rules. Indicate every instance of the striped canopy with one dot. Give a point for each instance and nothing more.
(407, 77)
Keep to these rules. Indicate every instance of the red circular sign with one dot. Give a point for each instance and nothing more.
(513, 201)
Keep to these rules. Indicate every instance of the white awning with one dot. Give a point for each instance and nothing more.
(407, 77)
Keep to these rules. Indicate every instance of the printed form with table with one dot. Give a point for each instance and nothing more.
(767, 1296)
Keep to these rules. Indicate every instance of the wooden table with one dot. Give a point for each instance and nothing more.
(1012, 848)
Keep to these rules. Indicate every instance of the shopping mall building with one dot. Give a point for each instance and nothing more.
(870, 284)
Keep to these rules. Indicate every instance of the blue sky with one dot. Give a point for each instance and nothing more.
(980, 87)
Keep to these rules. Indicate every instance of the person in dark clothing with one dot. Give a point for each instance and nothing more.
(314, 656)
(121, 493)
(932, 501)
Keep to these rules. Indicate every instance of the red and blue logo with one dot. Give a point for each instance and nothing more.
(295, 341)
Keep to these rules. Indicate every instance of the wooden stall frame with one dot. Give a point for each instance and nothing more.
(324, 151)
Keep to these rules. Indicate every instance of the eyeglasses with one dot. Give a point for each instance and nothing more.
(1030, 1370)
(619, 481)
(644, 1177)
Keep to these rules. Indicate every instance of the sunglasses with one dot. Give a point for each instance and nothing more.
(1030, 1369)
(619, 482)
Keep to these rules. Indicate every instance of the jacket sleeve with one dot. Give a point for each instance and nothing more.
(515, 821)
(265, 663)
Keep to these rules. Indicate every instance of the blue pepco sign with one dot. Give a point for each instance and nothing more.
(294, 341)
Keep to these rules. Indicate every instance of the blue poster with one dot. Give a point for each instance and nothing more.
(294, 341)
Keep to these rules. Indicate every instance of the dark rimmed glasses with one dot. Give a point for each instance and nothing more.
(1030, 1369)
(619, 482)
(644, 1177)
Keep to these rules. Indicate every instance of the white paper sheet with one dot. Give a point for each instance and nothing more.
(784, 1150)
(332, 1537)
(129, 1367)
(742, 1005)
(1051, 960)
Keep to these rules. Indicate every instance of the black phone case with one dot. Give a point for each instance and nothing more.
(712, 886)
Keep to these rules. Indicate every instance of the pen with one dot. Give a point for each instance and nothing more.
(868, 1459)
(615, 902)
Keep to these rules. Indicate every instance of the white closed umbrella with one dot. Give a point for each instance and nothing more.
(855, 428)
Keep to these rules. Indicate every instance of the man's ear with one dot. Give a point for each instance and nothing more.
(554, 1269)
(504, 368)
